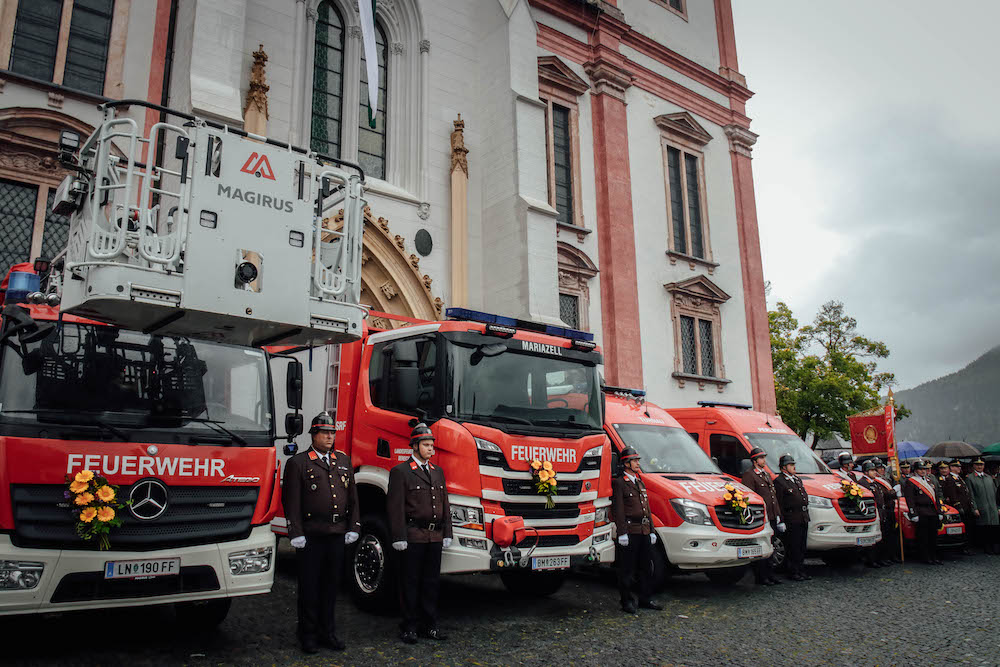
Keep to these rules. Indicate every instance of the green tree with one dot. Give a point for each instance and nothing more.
(825, 371)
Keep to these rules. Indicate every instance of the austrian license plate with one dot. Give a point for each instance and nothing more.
(866, 541)
(133, 569)
(550, 562)
(953, 530)
(749, 552)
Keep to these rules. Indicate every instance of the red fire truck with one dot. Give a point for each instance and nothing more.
(497, 393)
(185, 428)
(838, 528)
(697, 530)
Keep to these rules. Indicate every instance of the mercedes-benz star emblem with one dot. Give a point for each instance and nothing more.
(152, 450)
(149, 499)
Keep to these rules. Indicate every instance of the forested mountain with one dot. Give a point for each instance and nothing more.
(962, 406)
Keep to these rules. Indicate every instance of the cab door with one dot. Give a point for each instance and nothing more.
(729, 452)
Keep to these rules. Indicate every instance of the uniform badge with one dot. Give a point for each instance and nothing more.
(313, 487)
(345, 479)
(413, 465)
(313, 455)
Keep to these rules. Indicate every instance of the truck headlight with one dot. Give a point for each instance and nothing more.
(601, 516)
(490, 453)
(820, 503)
(692, 512)
(594, 451)
(470, 518)
(253, 561)
(19, 575)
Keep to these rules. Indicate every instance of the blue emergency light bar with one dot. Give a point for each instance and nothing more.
(487, 318)
(20, 285)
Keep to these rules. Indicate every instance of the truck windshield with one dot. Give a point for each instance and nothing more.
(87, 375)
(666, 449)
(778, 444)
(501, 385)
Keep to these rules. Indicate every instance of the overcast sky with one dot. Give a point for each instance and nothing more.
(877, 171)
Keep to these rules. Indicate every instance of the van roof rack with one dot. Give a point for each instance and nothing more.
(719, 404)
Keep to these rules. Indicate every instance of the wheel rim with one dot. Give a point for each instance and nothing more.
(369, 564)
(779, 553)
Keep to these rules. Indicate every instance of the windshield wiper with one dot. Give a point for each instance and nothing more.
(565, 422)
(217, 425)
(501, 418)
(70, 418)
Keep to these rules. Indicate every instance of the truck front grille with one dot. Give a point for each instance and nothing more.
(729, 519)
(538, 511)
(549, 541)
(194, 515)
(526, 487)
(84, 586)
(852, 513)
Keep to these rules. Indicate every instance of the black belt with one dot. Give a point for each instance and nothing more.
(638, 522)
(422, 523)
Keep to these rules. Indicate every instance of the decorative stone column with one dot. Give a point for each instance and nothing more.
(459, 216)
(621, 341)
(741, 141)
(255, 113)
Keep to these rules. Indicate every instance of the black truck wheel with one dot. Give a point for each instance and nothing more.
(372, 567)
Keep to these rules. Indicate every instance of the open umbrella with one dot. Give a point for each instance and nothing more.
(992, 449)
(952, 449)
(910, 450)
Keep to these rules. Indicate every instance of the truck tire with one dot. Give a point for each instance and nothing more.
(841, 560)
(660, 568)
(371, 570)
(726, 576)
(202, 614)
(532, 584)
(779, 562)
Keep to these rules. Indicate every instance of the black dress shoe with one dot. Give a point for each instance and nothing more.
(649, 604)
(629, 608)
(333, 642)
(774, 581)
(310, 646)
(409, 637)
(764, 582)
(871, 564)
(434, 634)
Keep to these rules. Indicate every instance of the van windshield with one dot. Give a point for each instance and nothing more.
(666, 449)
(778, 444)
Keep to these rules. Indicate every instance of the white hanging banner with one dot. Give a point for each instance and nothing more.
(367, 10)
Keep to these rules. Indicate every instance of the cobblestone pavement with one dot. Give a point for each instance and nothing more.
(905, 615)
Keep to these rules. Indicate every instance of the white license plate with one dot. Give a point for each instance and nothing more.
(866, 541)
(550, 562)
(953, 530)
(133, 569)
(749, 552)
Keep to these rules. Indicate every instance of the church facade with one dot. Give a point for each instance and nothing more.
(577, 161)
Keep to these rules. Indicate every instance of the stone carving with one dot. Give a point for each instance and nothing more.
(29, 163)
(459, 152)
(388, 289)
(354, 31)
(364, 257)
(424, 210)
(400, 242)
(397, 48)
(415, 261)
(438, 306)
(741, 140)
(56, 100)
(380, 323)
(427, 281)
(311, 14)
(257, 94)
(425, 46)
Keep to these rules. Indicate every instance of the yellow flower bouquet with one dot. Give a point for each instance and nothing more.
(853, 491)
(94, 503)
(544, 477)
(737, 501)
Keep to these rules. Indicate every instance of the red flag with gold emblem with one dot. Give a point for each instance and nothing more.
(868, 432)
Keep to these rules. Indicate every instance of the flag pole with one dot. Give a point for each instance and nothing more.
(891, 444)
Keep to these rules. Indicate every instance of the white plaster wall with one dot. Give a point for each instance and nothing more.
(674, 75)
(696, 38)
(654, 269)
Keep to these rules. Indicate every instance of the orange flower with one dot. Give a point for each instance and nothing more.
(88, 515)
(547, 465)
(543, 475)
(743, 505)
(84, 499)
(536, 465)
(106, 494)
(728, 496)
(78, 487)
(84, 476)
(105, 514)
(730, 487)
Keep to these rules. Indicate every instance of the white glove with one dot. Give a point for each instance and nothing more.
(445, 543)
(350, 537)
(781, 526)
(940, 517)
(652, 538)
(623, 540)
(299, 542)
(914, 519)
(400, 546)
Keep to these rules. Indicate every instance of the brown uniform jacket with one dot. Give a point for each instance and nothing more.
(878, 491)
(792, 498)
(418, 506)
(760, 482)
(630, 507)
(888, 498)
(917, 499)
(956, 493)
(320, 500)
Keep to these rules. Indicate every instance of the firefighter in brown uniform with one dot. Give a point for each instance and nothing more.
(890, 521)
(758, 479)
(634, 524)
(321, 506)
(420, 524)
(925, 511)
(875, 556)
(794, 503)
(955, 492)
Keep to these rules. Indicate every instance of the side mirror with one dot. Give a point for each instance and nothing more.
(616, 464)
(293, 424)
(293, 387)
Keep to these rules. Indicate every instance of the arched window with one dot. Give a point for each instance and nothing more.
(328, 81)
(372, 140)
